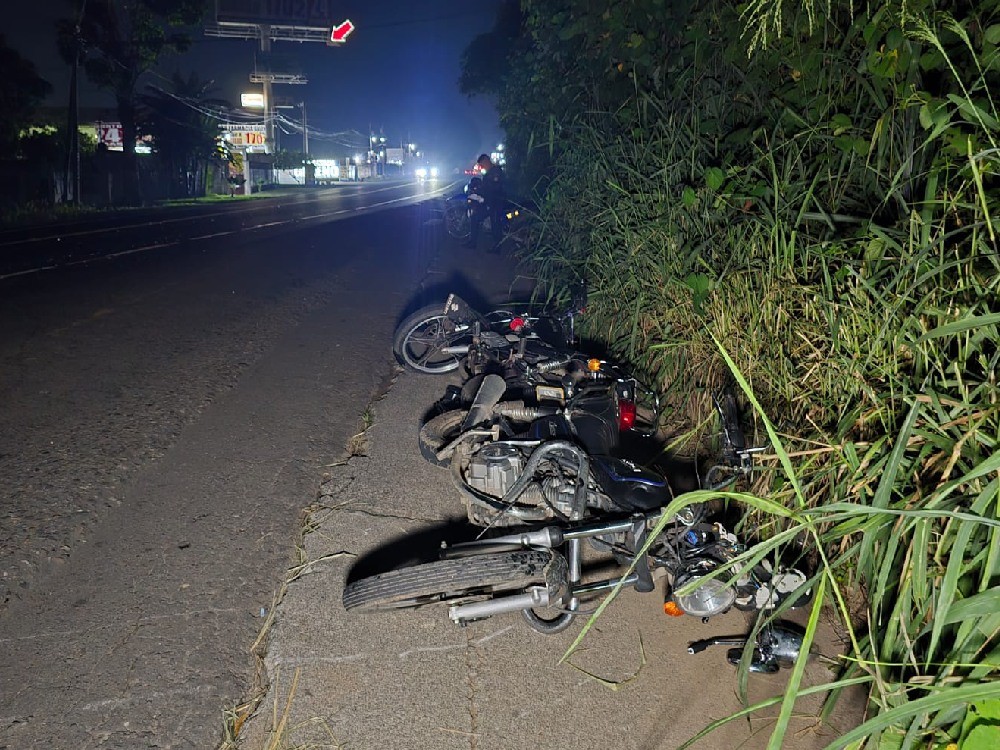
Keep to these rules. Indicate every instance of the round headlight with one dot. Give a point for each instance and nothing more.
(711, 596)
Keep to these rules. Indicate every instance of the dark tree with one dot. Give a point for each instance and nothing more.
(486, 62)
(184, 129)
(21, 91)
(120, 40)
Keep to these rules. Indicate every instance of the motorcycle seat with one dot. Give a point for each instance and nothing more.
(630, 487)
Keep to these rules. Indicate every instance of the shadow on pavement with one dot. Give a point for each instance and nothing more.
(411, 548)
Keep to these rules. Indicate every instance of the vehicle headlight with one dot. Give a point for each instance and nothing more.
(434, 171)
(420, 172)
(711, 596)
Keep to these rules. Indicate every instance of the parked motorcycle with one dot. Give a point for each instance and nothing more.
(614, 505)
(458, 210)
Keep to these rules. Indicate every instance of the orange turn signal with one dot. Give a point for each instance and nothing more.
(670, 608)
(594, 365)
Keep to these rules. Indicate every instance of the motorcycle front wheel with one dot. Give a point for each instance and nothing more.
(421, 342)
(438, 432)
(449, 581)
(456, 220)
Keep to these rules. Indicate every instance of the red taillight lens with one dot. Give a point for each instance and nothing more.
(626, 414)
(517, 324)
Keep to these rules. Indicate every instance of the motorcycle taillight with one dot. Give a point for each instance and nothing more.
(626, 414)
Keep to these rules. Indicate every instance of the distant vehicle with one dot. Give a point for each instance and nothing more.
(426, 173)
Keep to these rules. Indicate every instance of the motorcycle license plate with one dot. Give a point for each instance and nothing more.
(549, 393)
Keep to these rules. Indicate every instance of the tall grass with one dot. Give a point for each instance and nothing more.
(844, 267)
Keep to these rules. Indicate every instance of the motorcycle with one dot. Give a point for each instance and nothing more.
(611, 503)
(532, 363)
(458, 210)
(437, 339)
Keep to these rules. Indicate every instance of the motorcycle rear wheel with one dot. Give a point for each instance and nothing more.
(420, 340)
(449, 581)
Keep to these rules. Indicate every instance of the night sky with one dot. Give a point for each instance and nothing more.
(398, 71)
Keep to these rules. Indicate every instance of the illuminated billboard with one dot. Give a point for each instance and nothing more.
(309, 13)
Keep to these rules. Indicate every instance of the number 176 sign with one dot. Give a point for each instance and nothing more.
(246, 138)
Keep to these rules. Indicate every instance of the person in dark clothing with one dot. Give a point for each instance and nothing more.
(475, 204)
(494, 194)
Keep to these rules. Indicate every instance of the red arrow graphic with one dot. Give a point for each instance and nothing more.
(341, 32)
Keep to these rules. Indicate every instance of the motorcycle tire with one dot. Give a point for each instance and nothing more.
(548, 626)
(419, 340)
(436, 433)
(456, 221)
(448, 581)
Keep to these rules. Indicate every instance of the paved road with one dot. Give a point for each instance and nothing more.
(166, 416)
(27, 250)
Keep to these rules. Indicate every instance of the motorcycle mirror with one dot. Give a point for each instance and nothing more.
(757, 664)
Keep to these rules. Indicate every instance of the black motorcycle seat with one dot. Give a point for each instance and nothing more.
(630, 487)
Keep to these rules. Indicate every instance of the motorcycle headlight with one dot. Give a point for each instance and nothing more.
(710, 597)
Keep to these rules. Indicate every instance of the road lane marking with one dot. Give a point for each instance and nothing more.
(120, 253)
(210, 236)
(228, 212)
(144, 248)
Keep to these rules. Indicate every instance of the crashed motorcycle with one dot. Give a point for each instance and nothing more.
(556, 496)
(438, 339)
(535, 355)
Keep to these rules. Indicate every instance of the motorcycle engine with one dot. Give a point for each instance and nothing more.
(495, 467)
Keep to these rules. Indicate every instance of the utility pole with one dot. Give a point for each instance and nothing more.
(72, 181)
(265, 49)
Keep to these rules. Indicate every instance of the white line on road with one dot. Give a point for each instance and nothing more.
(144, 248)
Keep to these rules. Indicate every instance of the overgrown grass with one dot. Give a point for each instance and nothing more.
(852, 287)
(40, 213)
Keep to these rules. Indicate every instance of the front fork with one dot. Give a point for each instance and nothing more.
(566, 596)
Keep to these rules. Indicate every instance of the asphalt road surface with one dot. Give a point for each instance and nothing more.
(172, 386)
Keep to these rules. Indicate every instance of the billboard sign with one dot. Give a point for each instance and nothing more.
(111, 134)
(244, 134)
(240, 138)
(308, 13)
(252, 100)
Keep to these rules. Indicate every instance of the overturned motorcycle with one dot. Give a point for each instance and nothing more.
(558, 495)
(438, 339)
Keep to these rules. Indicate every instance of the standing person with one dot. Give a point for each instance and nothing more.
(493, 192)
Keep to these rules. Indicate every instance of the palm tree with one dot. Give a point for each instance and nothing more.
(184, 128)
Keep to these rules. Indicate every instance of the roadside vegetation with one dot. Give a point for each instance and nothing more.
(804, 198)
